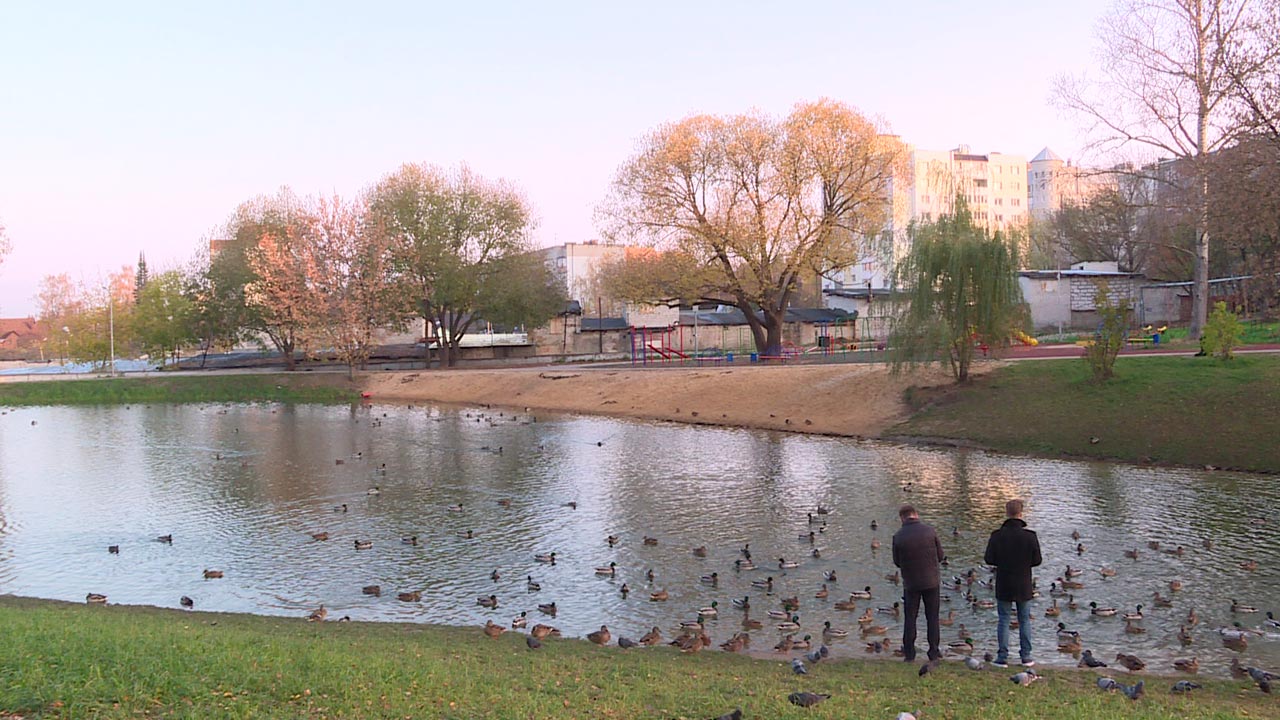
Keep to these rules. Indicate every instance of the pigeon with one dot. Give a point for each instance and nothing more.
(814, 656)
(928, 667)
(1024, 678)
(1088, 660)
(626, 642)
(1106, 683)
(735, 715)
(806, 699)
(973, 663)
(1135, 691)
(1262, 677)
(533, 642)
(1184, 686)
(797, 667)
(906, 716)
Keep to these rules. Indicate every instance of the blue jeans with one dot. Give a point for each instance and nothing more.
(1004, 609)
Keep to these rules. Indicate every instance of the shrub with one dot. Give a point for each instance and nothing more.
(1223, 333)
(1109, 338)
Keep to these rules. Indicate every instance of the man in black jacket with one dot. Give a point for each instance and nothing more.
(917, 552)
(1013, 550)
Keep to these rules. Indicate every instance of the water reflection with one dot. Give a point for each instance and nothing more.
(242, 489)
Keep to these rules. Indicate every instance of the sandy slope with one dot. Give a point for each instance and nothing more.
(855, 400)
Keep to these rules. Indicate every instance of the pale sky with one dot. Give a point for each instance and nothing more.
(139, 126)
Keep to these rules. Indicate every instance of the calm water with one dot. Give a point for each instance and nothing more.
(242, 488)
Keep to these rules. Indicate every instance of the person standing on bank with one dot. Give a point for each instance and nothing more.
(1013, 550)
(918, 553)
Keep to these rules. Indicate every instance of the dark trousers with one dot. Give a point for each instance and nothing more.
(911, 605)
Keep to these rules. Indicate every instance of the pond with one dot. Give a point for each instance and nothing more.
(243, 488)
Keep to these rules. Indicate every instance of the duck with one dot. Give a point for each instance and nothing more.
(767, 583)
(340, 508)
(749, 623)
(816, 553)
(531, 584)
(212, 574)
(1080, 548)
(832, 632)
(504, 502)
(1135, 615)
(454, 508)
(1237, 607)
(711, 610)
(1161, 601)
(462, 534)
(784, 645)
(625, 590)
(789, 625)
(895, 577)
(1101, 611)
(893, 610)
(741, 565)
(601, 636)
(541, 631)
(1192, 618)
(547, 609)
(691, 642)
(374, 590)
(863, 594)
(1132, 663)
(1072, 572)
(318, 615)
(712, 579)
(784, 564)
(520, 620)
(1153, 544)
(740, 641)
(95, 599)
(987, 604)
(363, 544)
(804, 643)
(1107, 572)
(612, 540)
(1075, 535)
(949, 619)
(1070, 645)
(1071, 603)
(743, 604)
(866, 618)
(648, 575)
(186, 602)
(1070, 584)
(875, 525)
(1271, 621)
(869, 630)
(490, 602)
(1053, 610)
(1188, 665)
(610, 569)
(1249, 565)
(317, 536)
(779, 614)
(846, 605)
(546, 558)
(653, 637)
(495, 575)
(875, 543)
(1176, 552)
(1132, 628)
(411, 596)
(822, 593)
(650, 541)
(700, 551)
(659, 596)
(792, 603)
(809, 536)
(1065, 634)
(960, 647)
(830, 576)
(1184, 635)
(375, 490)
(1175, 585)
(493, 629)
(1134, 554)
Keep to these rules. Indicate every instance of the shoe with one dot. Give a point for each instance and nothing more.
(908, 659)
(1028, 663)
(1002, 664)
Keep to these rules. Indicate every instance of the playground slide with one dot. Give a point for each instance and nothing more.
(1024, 338)
(667, 353)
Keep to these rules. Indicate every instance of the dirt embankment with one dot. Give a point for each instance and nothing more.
(851, 400)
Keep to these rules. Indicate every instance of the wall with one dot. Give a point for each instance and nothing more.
(1050, 302)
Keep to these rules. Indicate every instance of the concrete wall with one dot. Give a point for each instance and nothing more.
(1050, 302)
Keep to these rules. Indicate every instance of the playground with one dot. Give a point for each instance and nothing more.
(809, 337)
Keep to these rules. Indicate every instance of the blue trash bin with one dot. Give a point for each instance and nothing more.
(1155, 338)
(755, 357)
(728, 357)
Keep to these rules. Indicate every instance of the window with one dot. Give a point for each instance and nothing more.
(999, 218)
(560, 263)
(999, 201)
(981, 183)
(866, 267)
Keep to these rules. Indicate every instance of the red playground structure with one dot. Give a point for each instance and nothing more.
(656, 345)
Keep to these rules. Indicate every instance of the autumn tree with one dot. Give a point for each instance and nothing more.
(1166, 87)
(745, 208)
(261, 283)
(960, 289)
(454, 239)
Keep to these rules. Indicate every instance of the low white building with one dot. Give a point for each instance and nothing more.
(1064, 300)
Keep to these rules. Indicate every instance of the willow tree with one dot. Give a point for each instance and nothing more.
(452, 237)
(960, 288)
(748, 207)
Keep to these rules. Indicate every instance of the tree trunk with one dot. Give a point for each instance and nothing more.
(286, 351)
(773, 335)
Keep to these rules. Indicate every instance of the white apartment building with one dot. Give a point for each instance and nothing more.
(1053, 182)
(576, 263)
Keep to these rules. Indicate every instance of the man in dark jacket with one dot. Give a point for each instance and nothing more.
(917, 552)
(1013, 550)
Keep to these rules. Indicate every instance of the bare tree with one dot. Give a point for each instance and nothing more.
(1166, 87)
(6, 246)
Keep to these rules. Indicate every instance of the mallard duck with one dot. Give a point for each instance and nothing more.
(804, 643)
(749, 623)
(779, 614)
(792, 603)
(784, 645)
(986, 604)
(612, 540)
(653, 637)
(743, 604)
(1192, 618)
(462, 534)
(541, 631)
(659, 596)
(789, 625)
(895, 609)
(95, 598)
(816, 553)
(866, 618)
(863, 594)
(1135, 615)
(1072, 572)
(711, 610)
(1075, 534)
(1161, 601)
(504, 502)
(869, 630)
(1101, 611)
(1053, 610)
(625, 590)
(823, 511)
(340, 508)
(1176, 552)
(374, 590)
(1236, 641)
(960, 647)
(822, 593)
(493, 629)
(212, 574)
(547, 609)
(1070, 584)
(545, 558)
(1237, 607)
(375, 490)
(809, 536)
(847, 605)
(830, 576)
(186, 602)
(1107, 572)
(1080, 548)
(1153, 544)
(413, 539)
(692, 625)
(1191, 665)
(318, 615)
(1249, 565)
(572, 505)
(832, 632)
(318, 537)
(1070, 645)
(650, 540)
(495, 575)
(601, 636)
(1071, 603)
(520, 620)
(1065, 634)
(784, 564)
(712, 579)
(1132, 663)
(767, 583)
(1184, 635)
(875, 525)
(700, 551)
(1271, 621)
(895, 577)
(454, 508)
(490, 602)
(736, 643)
(1175, 585)
(648, 575)
(531, 585)
(610, 569)
(691, 642)
(741, 565)
(410, 596)
(363, 544)
(949, 619)
(1134, 554)
(1132, 628)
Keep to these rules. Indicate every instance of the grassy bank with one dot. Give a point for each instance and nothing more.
(1183, 410)
(60, 660)
(283, 387)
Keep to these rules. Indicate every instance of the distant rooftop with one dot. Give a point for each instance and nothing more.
(1046, 155)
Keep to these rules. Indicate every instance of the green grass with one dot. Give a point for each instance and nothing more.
(62, 660)
(1180, 410)
(323, 388)
(1255, 333)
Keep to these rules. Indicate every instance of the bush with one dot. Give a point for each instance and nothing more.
(1109, 338)
(1223, 333)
